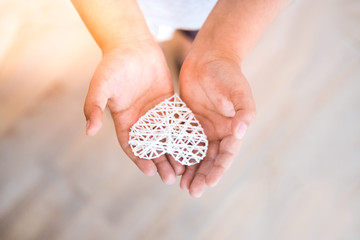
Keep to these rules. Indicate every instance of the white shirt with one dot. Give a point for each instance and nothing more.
(165, 16)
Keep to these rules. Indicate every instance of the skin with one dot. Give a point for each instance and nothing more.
(128, 76)
(214, 87)
(133, 77)
(221, 100)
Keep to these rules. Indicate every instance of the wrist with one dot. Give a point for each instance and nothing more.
(134, 41)
(206, 52)
(214, 42)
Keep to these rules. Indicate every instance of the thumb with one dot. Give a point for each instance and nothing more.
(245, 112)
(95, 104)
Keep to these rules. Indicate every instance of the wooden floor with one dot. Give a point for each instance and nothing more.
(297, 176)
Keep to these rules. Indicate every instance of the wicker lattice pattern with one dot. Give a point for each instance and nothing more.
(170, 127)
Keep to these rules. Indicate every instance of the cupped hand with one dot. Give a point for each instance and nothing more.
(130, 80)
(219, 95)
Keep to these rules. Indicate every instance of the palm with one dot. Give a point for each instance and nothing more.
(209, 91)
(135, 89)
(132, 82)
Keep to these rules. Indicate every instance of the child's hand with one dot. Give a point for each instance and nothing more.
(213, 86)
(221, 99)
(130, 81)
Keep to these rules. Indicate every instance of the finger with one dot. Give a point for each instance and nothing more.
(95, 104)
(178, 167)
(228, 149)
(165, 170)
(223, 105)
(145, 165)
(244, 106)
(188, 176)
(198, 184)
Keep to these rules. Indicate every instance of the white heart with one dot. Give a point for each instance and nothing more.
(170, 127)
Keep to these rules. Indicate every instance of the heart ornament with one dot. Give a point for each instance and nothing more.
(170, 127)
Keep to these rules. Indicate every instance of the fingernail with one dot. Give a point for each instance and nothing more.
(241, 130)
(170, 179)
(150, 173)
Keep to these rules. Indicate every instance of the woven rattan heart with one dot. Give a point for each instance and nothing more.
(170, 127)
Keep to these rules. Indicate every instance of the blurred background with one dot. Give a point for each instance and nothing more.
(297, 176)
